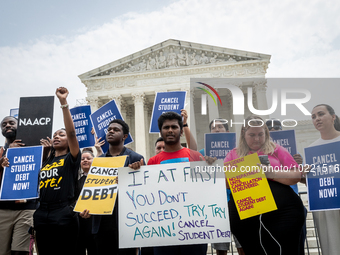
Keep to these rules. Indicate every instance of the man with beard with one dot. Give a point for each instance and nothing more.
(105, 227)
(171, 128)
(16, 217)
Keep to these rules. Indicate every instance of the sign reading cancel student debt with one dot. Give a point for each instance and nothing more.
(219, 144)
(285, 138)
(83, 125)
(323, 180)
(172, 101)
(35, 119)
(101, 119)
(249, 186)
(100, 188)
(173, 204)
(20, 179)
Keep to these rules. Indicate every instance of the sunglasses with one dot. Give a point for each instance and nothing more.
(275, 127)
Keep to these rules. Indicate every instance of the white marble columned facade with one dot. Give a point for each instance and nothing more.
(139, 99)
(169, 66)
(212, 109)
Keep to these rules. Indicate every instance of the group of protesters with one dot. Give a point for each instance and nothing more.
(59, 230)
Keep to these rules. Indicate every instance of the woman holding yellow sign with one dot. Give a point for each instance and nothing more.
(273, 232)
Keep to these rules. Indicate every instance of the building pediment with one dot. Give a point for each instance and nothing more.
(172, 55)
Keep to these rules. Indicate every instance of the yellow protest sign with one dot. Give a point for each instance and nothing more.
(249, 187)
(100, 189)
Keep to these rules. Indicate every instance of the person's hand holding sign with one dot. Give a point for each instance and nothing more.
(5, 162)
(137, 165)
(16, 143)
(85, 214)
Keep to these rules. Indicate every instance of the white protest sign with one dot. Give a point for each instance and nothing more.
(173, 204)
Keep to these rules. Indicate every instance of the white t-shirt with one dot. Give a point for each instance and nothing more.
(321, 141)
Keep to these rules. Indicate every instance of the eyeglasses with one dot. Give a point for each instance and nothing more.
(275, 127)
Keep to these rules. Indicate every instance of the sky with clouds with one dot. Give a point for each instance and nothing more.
(44, 45)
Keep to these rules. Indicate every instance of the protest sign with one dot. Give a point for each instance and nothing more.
(14, 112)
(249, 186)
(285, 138)
(165, 102)
(101, 119)
(20, 179)
(219, 144)
(35, 119)
(323, 180)
(100, 188)
(83, 125)
(171, 204)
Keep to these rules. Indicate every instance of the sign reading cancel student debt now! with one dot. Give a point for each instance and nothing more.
(249, 187)
(82, 123)
(173, 204)
(20, 179)
(100, 188)
(323, 180)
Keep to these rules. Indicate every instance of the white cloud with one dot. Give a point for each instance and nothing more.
(299, 35)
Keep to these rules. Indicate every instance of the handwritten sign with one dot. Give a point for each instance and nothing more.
(165, 102)
(101, 119)
(82, 123)
(219, 144)
(20, 179)
(285, 138)
(323, 181)
(249, 187)
(170, 204)
(100, 188)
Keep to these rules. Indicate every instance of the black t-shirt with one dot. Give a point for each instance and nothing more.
(58, 179)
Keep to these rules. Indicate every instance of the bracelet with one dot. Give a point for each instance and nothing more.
(185, 125)
(64, 106)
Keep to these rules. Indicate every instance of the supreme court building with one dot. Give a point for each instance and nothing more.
(134, 80)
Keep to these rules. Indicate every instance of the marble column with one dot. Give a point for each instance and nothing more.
(260, 88)
(237, 121)
(118, 99)
(130, 120)
(138, 98)
(213, 109)
(94, 102)
(123, 110)
(191, 112)
(121, 104)
(147, 107)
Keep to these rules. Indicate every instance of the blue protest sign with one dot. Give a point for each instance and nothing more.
(165, 102)
(219, 144)
(14, 112)
(101, 119)
(83, 125)
(20, 179)
(323, 180)
(285, 138)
